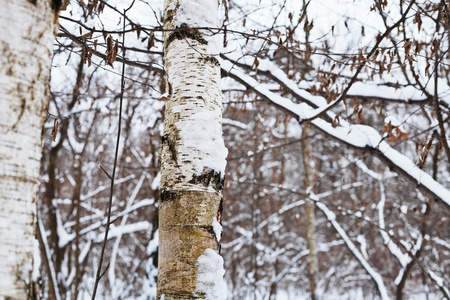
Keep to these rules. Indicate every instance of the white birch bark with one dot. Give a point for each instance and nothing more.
(27, 32)
(193, 156)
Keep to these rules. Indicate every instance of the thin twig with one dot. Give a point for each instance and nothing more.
(107, 174)
(108, 223)
(331, 105)
(53, 283)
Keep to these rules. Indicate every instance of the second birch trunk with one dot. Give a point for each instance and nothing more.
(193, 157)
(27, 32)
(310, 216)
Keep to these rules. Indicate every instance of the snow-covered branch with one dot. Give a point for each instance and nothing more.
(361, 137)
(375, 275)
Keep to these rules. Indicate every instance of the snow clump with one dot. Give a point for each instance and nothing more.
(210, 276)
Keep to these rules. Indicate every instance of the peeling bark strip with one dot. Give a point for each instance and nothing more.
(193, 156)
(27, 32)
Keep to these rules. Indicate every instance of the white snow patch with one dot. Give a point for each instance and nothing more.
(63, 235)
(215, 45)
(197, 13)
(201, 14)
(360, 164)
(231, 122)
(217, 228)
(156, 181)
(439, 281)
(393, 120)
(408, 93)
(36, 261)
(203, 132)
(210, 276)
(404, 209)
(362, 241)
(153, 244)
(125, 229)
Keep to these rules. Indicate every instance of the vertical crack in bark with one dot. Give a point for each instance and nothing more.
(23, 103)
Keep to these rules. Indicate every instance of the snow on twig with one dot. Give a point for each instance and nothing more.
(48, 258)
(115, 249)
(375, 275)
(440, 282)
(357, 136)
(105, 187)
(298, 203)
(404, 259)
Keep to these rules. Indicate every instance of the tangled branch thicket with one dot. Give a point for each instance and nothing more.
(363, 76)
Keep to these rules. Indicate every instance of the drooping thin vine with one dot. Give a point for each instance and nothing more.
(122, 88)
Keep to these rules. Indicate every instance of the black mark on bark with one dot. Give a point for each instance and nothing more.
(184, 32)
(220, 210)
(210, 59)
(22, 111)
(168, 196)
(171, 145)
(209, 177)
(208, 229)
(170, 14)
(56, 5)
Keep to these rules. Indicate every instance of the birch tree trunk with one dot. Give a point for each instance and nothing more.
(309, 210)
(193, 156)
(27, 32)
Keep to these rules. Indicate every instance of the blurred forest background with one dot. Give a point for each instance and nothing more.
(309, 212)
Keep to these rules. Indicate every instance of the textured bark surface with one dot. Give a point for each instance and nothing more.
(27, 32)
(193, 155)
(309, 211)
